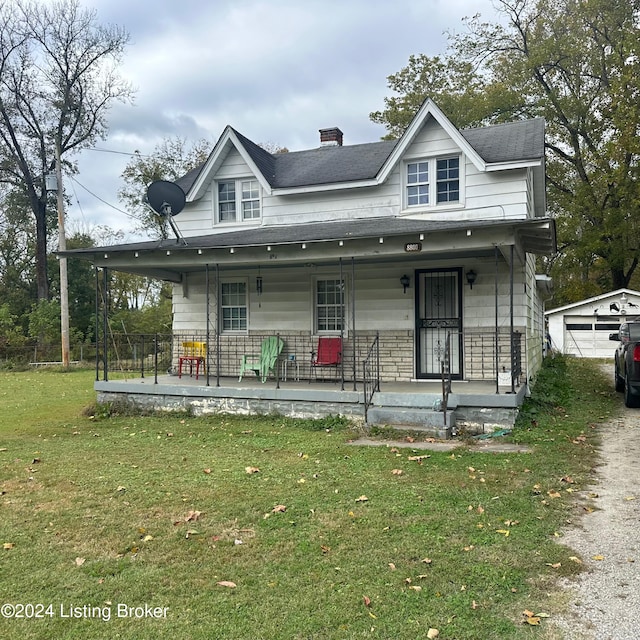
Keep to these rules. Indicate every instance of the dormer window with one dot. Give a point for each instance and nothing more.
(238, 200)
(433, 181)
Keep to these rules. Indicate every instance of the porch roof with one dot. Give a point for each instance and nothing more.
(169, 258)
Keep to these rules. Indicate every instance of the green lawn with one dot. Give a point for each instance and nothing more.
(322, 540)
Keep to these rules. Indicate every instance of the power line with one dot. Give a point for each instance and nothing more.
(126, 213)
(135, 154)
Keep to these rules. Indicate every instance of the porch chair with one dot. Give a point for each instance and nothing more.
(328, 354)
(264, 362)
(193, 353)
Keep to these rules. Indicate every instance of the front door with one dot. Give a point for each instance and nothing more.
(438, 312)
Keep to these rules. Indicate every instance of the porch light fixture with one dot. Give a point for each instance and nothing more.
(168, 253)
(232, 250)
(136, 255)
(381, 240)
(468, 232)
(341, 243)
(471, 276)
(268, 247)
(199, 252)
(304, 245)
(259, 285)
(422, 236)
(405, 281)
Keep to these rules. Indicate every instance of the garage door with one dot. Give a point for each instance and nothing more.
(588, 337)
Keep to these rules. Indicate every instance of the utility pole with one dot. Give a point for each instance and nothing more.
(62, 246)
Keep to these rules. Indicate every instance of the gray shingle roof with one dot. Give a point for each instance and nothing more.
(510, 142)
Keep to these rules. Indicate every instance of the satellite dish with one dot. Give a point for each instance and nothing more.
(166, 198)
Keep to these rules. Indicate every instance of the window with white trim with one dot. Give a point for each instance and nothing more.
(238, 200)
(233, 306)
(422, 190)
(329, 305)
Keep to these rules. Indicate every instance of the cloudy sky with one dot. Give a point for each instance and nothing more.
(277, 71)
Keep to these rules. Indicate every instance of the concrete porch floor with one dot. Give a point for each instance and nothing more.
(474, 402)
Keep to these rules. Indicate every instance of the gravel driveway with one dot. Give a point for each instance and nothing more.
(605, 601)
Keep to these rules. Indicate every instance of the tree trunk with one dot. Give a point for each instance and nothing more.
(42, 278)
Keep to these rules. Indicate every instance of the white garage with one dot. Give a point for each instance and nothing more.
(582, 328)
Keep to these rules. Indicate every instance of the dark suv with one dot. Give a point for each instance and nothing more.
(627, 362)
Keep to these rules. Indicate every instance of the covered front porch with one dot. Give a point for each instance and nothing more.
(436, 307)
(143, 370)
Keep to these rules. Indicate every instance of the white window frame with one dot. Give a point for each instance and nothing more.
(337, 331)
(223, 307)
(424, 178)
(248, 198)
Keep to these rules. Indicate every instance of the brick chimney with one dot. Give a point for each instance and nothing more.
(331, 137)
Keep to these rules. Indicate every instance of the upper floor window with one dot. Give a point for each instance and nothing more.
(238, 200)
(448, 180)
(433, 181)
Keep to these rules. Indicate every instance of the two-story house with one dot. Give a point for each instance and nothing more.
(418, 254)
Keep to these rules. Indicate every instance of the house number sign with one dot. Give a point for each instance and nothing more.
(410, 247)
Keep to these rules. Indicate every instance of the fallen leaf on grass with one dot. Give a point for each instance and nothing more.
(367, 601)
(80, 562)
(505, 532)
(567, 479)
(279, 508)
(418, 458)
(553, 494)
(530, 618)
(415, 587)
(251, 470)
(597, 557)
(192, 516)
(362, 499)
(397, 472)
(432, 633)
(575, 559)
(207, 471)
(226, 583)
(554, 565)
(8, 545)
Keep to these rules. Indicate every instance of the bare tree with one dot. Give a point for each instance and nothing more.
(58, 79)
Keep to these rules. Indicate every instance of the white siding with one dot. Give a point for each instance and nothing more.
(485, 195)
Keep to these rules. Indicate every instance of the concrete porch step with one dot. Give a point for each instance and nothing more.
(425, 421)
(418, 400)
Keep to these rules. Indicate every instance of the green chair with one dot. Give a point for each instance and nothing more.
(265, 362)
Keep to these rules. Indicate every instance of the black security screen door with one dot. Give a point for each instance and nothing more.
(438, 312)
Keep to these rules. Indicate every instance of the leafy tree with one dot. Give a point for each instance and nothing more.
(576, 63)
(58, 79)
(17, 264)
(171, 159)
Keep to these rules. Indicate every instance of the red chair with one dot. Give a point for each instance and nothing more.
(328, 354)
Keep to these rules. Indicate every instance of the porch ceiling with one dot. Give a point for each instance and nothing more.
(374, 238)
